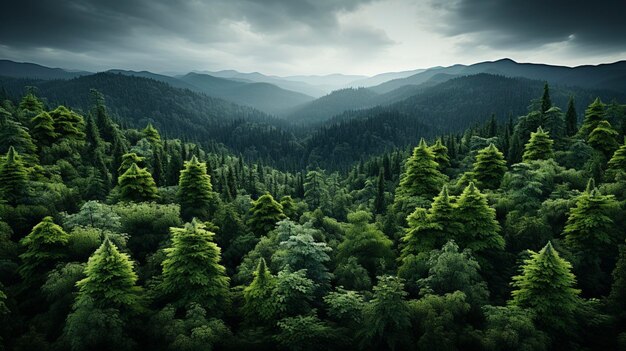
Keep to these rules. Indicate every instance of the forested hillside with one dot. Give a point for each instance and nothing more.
(118, 234)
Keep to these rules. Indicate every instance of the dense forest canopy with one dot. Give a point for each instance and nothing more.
(124, 231)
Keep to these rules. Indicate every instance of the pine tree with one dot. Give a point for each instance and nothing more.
(136, 184)
(539, 147)
(92, 136)
(546, 286)
(489, 167)
(441, 155)
(264, 214)
(571, 118)
(14, 187)
(546, 102)
(13, 133)
(192, 272)
(492, 127)
(593, 115)
(617, 163)
(421, 177)
(45, 246)
(110, 280)
(604, 138)
(195, 192)
(152, 135)
(480, 231)
(289, 207)
(379, 201)
(259, 305)
(68, 124)
(43, 129)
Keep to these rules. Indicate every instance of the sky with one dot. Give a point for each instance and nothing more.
(308, 37)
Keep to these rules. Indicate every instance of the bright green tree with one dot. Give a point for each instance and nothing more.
(259, 305)
(594, 114)
(192, 271)
(137, 185)
(539, 147)
(68, 124)
(264, 214)
(546, 286)
(45, 246)
(152, 135)
(13, 133)
(127, 160)
(43, 129)
(489, 167)
(14, 187)
(421, 176)
(440, 151)
(195, 192)
(617, 163)
(480, 228)
(289, 207)
(604, 139)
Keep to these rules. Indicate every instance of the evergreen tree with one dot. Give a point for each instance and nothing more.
(289, 207)
(12, 133)
(546, 286)
(128, 160)
(315, 191)
(68, 124)
(441, 155)
(195, 192)
(43, 129)
(546, 102)
(14, 187)
(480, 231)
(604, 139)
(489, 167)
(264, 214)
(92, 136)
(192, 272)
(379, 201)
(617, 163)
(421, 177)
(539, 147)
(152, 135)
(45, 246)
(136, 185)
(259, 306)
(571, 118)
(593, 115)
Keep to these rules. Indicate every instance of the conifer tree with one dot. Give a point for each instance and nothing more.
(128, 160)
(539, 147)
(136, 184)
(192, 272)
(379, 201)
(546, 286)
(441, 155)
(422, 176)
(43, 129)
(489, 167)
(264, 214)
(44, 247)
(152, 135)
(617, 163)
(604, 138)
(13, 133)
(480, 231)
(13, 179)
(92, 136)
(593, 115)
(195, 192)
(546, 102)
(68, 124)
(259, 305)
(29, 107)
(571, 118)
(617, 297)
(289, 207)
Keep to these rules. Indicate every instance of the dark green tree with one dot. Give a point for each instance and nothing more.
(137, 185)
(259, 305)
(192, 272)
(45, 246)
(489, 167)
(43, 129)
(593, 115)
(13, 133)
(617, 163)
(441, 154)
(379, 201)
(539, 147)
(264, 214)
(195, 192)
(68, 124)
(604, 139)
(14, 185)
(546, 102)
(571, 118)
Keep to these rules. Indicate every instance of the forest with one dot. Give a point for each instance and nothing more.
(507, 235)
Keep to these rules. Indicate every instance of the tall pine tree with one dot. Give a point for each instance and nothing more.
(489, 167)
(539, 147)
(136, 184)
(264, 214)
(571, 118)
(195, 192)
(14, 187)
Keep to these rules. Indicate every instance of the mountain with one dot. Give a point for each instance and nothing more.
(383, 77)
(180, 113)
(297, 86)
(30, 70)
(263, 96)
(332, 104)
(605, 76)
(176, 83)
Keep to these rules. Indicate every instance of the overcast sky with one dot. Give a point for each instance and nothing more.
(288, 37)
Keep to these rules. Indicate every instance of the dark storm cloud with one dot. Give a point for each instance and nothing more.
(87, 24)
(510, 24)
